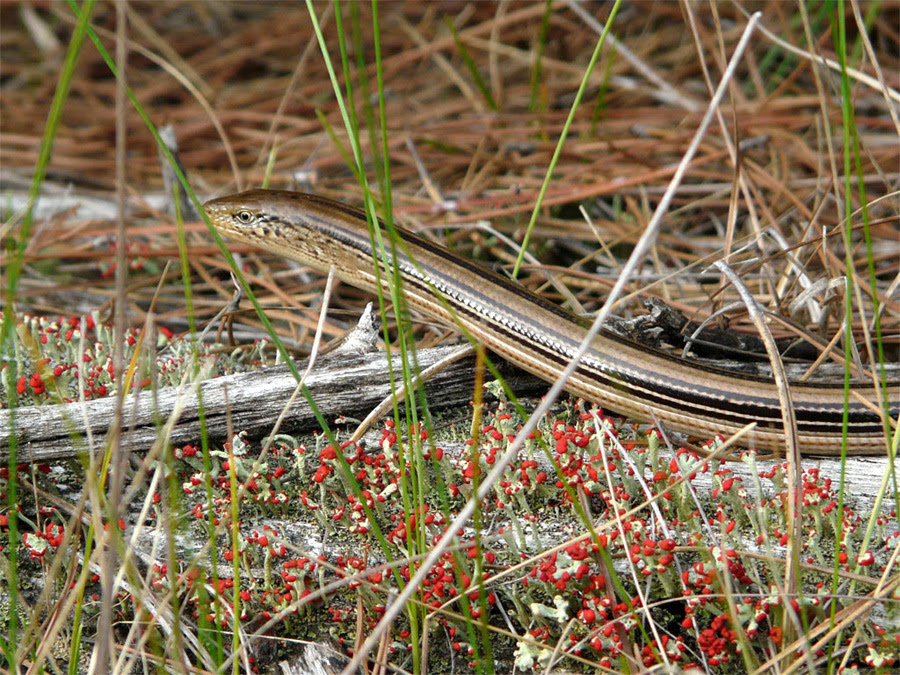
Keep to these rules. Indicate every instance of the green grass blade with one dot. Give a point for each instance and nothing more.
(471, 67)
(13, 271)
(562, 137)
(537, 70)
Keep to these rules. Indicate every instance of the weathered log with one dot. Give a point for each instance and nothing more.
(348, 385)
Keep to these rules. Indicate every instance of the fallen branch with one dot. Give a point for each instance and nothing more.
(346, 385)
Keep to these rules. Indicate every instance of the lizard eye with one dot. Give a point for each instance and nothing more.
(245, 217)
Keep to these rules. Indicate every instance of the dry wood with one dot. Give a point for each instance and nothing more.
(349, 385)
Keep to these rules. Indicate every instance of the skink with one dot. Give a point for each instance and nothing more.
(540, 337)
